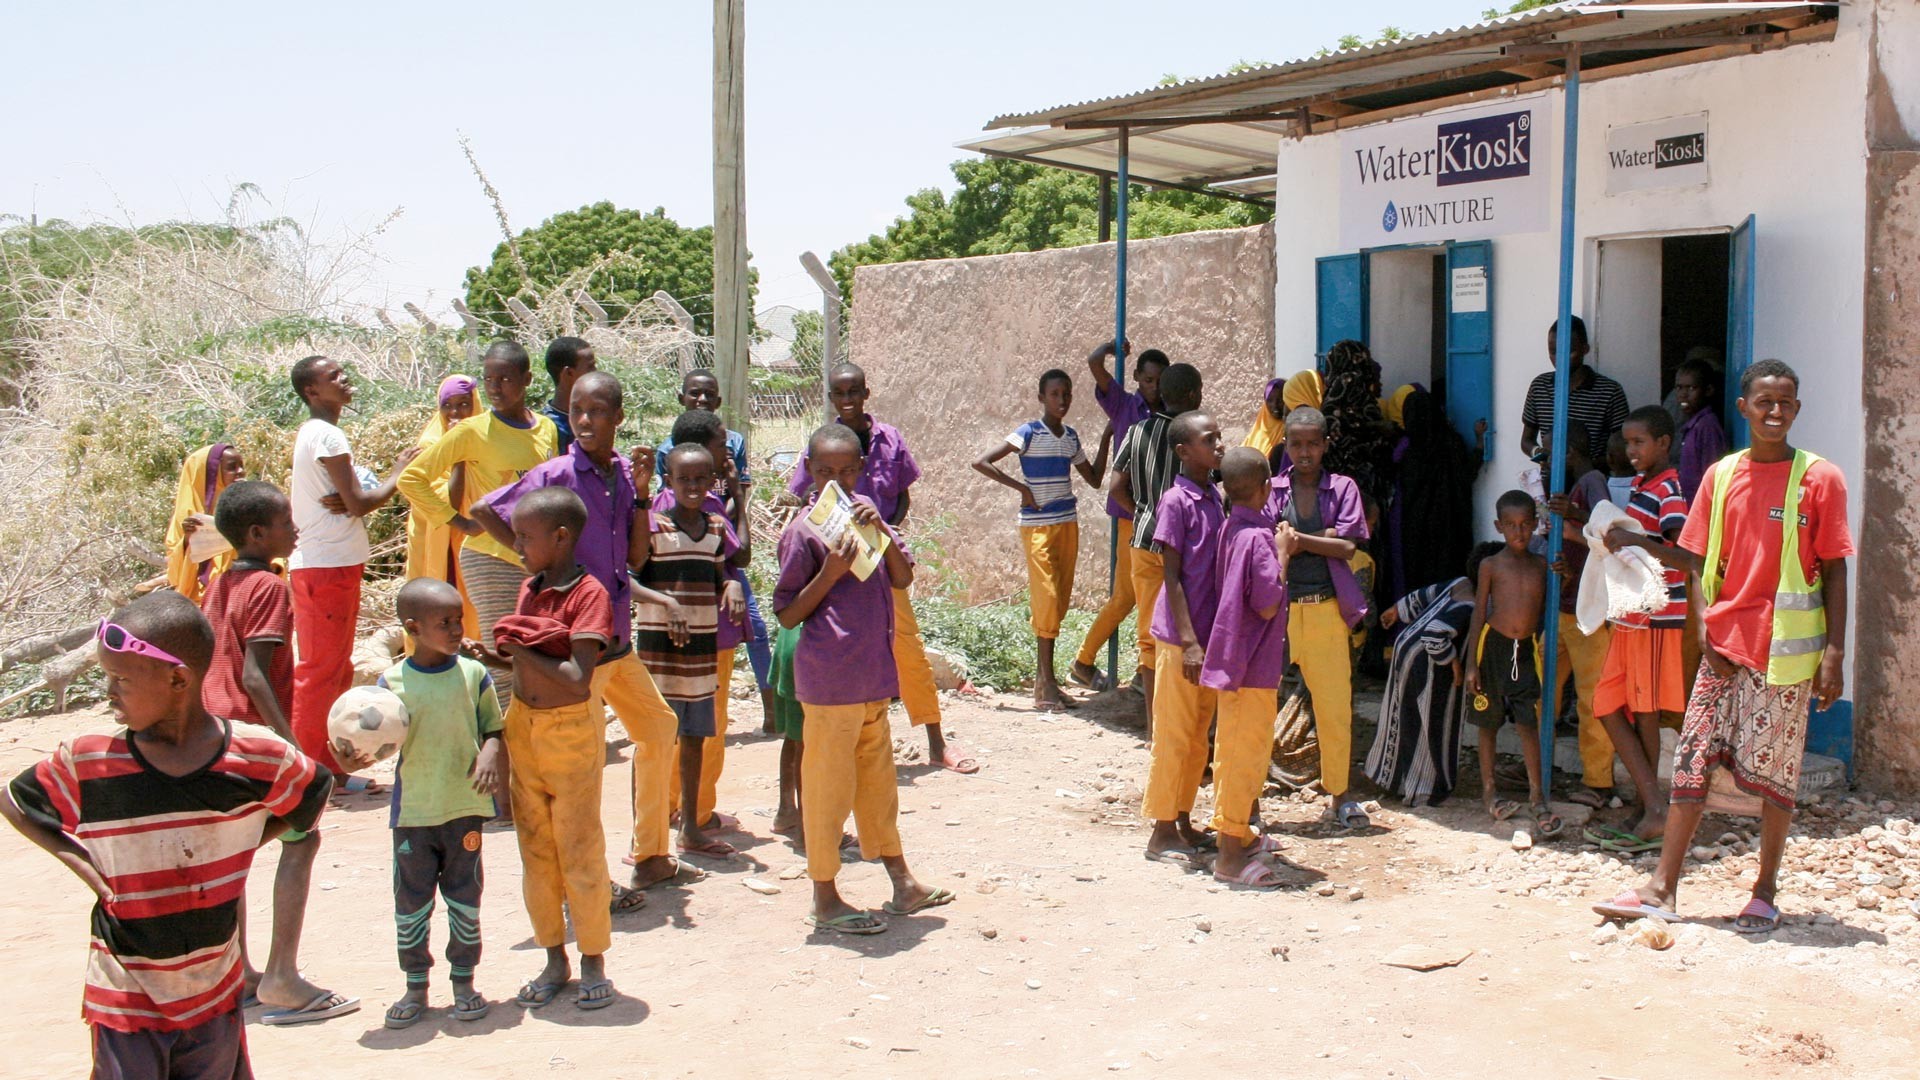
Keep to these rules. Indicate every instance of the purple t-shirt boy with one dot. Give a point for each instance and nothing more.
(1189, 521)
(1124, 408)
(1341, 511)
(1247, 651)
(845, 654)
(890, 470)
(601, 548)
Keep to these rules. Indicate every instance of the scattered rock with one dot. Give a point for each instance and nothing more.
(1577, 957)
(793, 873)
(1653, 934)
(1522, 840)
(764, 888)
(1419, 957)
(1033, 984)
(1325, 888)
(989, 933)
(1205, 926)
(858, 1043)
(1606, 935)
(1356, 893)
(1279, 951)
(1867, 899)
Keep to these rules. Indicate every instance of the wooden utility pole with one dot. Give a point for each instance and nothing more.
(830, 301)
(732, 315)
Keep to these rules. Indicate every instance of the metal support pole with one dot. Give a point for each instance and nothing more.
(830, 301)
(1562, 383)
(1119, 366)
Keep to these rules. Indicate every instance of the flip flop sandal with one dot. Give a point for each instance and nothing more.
(720, 822)
(534, 995)
(936, 898)
(404, 1014)
(1588, 797)
(1607, 834)
(1629, 906)
(591, 995)
(1548, 821)
(1267, 844)
(627, 900)
(1254, 875)
(856, 923)
(1503, 809)
(1351, 816)
(712, 849)
(1757, 909)
(1185, 858)
(1633, 846)
(962, 764)
(1207, 841)
(326, 1006)
(472, 1007)
(1100, 683)
(684, 873)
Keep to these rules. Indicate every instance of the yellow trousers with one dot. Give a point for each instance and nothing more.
(1317, 638)
(555, 757)
(713, 748)
(1182, 713)
(626, 686)
(1242, 749)
(917, 689)
(1585, 655)
(1052, 551)
(848, 769)
(1149, 570)
(1119, 601)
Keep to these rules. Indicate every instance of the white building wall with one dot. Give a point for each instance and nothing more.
(1786, 143)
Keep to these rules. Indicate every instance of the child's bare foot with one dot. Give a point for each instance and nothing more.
(541, 989)
(1195, 838)
(406, 1012)
(1652, 823)
(661, 868)
(787, 819)
(949, 757)
(694, 842)
(1048, 697)
(1090, 677)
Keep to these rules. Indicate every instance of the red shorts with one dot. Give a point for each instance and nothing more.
(1644, 673)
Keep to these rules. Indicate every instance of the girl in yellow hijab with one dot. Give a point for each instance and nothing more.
(1282, 397)
(205, 474)
(1394, 408)
(429, 546)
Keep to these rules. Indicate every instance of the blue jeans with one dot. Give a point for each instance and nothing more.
(759, 649)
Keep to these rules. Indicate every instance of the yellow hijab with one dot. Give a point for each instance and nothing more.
(200, 487)
(1395, 406)
(1269, 431)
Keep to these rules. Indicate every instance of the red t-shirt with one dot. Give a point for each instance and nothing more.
(581, 605)
(1659, 507)
(1740, 622)
(247, 604)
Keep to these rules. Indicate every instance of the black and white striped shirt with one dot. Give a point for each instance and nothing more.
(1146, 456)
(1600, 406)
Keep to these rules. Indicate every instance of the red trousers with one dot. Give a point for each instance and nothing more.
(326, 608)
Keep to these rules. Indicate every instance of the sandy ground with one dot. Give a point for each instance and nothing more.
(1065, 955)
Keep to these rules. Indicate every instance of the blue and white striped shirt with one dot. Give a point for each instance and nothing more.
(1046, 464)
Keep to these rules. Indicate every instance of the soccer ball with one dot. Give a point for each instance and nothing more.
(368, 720)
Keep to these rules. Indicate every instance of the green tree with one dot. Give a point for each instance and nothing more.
(632, 254)
(1002, 206)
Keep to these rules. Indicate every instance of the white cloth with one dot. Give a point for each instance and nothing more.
(326, 538)
(1616, 583)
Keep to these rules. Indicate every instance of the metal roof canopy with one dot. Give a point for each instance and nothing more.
(1223, 130)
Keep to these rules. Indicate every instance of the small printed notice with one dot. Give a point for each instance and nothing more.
(1469, 290)
(832, 517)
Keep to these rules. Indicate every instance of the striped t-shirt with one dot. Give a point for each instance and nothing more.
(1046, 463)
(1147, 457)
(693, 572)
(1600, 407)
(1660, 508)
(174, 851)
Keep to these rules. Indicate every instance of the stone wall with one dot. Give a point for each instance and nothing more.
(953, 351)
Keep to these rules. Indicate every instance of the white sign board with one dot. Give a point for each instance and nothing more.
(1658, 154)
(1469, 290)
(1464, 175)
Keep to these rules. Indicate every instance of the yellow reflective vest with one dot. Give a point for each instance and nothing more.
(1799, 612)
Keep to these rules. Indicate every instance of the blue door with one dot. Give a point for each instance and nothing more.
(1740, 266)
(1469, 289)
(1340, 284)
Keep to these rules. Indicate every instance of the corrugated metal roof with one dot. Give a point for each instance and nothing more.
(1223, 130)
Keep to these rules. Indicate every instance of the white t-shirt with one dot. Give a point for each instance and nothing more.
(326, 538)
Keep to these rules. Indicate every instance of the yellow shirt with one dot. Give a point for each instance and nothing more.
(495, 453)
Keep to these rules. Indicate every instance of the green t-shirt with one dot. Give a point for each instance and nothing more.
(450, 711)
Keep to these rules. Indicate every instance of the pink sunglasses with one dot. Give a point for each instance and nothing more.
(119, 639)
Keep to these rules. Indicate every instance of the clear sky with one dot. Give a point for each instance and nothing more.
(345, 112)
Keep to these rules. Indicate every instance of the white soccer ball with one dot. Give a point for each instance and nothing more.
(369, 720)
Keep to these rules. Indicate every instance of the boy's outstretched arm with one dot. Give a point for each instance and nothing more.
(1325, 544)
(1097, 364)
(259, 688)
(59, 845)
(1829, 682)
(353, 501)
(1095, 471)
(984, 466)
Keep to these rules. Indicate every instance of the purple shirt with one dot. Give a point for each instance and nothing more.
(1340, 510)
(728, 634)
(1247, 650)
(1702, 442)
(1124, 408)
(845, 652)
(1189, 521)
(889, 472)
(602, 547)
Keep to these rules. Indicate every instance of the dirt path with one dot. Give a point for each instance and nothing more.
(1066, 954)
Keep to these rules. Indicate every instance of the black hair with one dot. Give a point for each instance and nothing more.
(1306, 416)
(829, 436)
(1242, 464)
(1767, 369)
(304, 373)
(848, 368)
(1514, 499)
(511, 352)
(698, 373)
(557, 506)
(424, 592)
(1179, 381)
(1185, 427)
(601, 382)
(243, 505)
(563, 353)
(1481, 553)
(170, 622)
(699, 427)
(683, 450)
(1579, 330)
(1151, 356)
(1701, 371)
(1655, 418)
(1054, 375)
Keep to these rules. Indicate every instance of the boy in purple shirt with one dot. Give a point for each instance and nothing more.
(885, 479)
(1245, 661)
(1702, 440)
(1124, 408)
(845, 683)
(1324, 602)
(1187, 527)
(607, 485)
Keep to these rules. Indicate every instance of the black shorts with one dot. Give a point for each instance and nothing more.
(215, 1050)
(1509, 682)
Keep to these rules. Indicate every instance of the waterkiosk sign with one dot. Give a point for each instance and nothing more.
(1658, 154)
(1463, 175)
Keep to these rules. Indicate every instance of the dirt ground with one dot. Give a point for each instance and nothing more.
(1066, 954)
